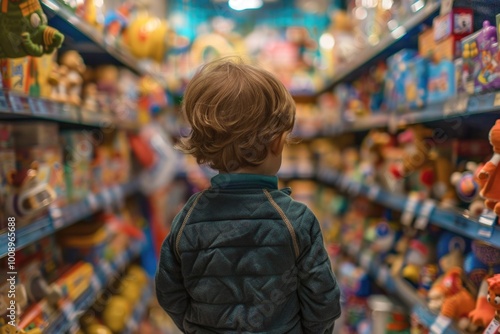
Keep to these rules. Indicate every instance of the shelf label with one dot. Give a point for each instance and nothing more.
(34, 106)
(16, 103)
(409, 211)
(496, 103)
(440, 325)
(493, 327)
(56, 217)
(373, 192)
(486, 224)
(424, 214)
(68, 309)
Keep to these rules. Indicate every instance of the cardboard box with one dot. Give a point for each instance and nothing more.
(44, 67)
(459, 23)
(442, 82)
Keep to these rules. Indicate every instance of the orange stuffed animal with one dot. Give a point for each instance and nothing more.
(494, 300)
(489, 177)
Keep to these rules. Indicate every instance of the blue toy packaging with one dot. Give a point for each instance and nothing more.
(442, 83)
(415, 79)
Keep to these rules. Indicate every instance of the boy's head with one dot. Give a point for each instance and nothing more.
(239, 115)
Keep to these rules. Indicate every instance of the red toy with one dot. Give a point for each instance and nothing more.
(489, 177)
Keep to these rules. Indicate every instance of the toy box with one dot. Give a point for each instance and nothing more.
(459, 22)
(51, 171)
(442, 83)
(395, 81)
(415, 77)
(19, 75)
(78, 152)
(448, 48)
(481, 55)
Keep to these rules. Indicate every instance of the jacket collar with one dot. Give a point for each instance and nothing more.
(244, 181)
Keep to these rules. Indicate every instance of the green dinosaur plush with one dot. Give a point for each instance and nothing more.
(24, 30)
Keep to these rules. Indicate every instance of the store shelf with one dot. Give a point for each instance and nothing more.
(104, 273)
(18, 106)
(76, 29)
(139, 311)
(387, 46)
(398, 287)
(460, 106)
(417, 212)
(59, 218)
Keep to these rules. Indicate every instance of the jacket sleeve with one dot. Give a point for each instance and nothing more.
(318, 291)
(170, 291)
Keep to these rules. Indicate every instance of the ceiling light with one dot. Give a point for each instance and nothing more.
(245, 4)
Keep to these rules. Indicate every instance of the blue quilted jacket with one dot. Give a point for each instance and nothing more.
(244, 257)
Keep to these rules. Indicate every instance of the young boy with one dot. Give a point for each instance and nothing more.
(243, 256)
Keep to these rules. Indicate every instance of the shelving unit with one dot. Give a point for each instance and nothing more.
(77, 28)
(422, 212)
(139, 311)
(387, 46)
(104, 273)
(397, 286)
(17, 106)
(59, 218)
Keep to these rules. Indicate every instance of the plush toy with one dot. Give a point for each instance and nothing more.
(25, 32)
(419, 254)
(427, 172)
(106, 77)
(467, 188)
(493, 299)
(488, 176)
(483, 262)
(75, 66)
(456, 302)
(372, 156)
(29, 196)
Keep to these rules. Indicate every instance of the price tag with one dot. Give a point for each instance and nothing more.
(92, 202)
(373, 192)
(366, 259)
(409, 211)
(424, 214)
(449, 108)
(382, 275)
(68, 309)
(462, 104)
(440, 325)
(496, 103)
(16, 103)
(493, 327)
(56, 216)
(106, 268)
(95, 283)
(486, 224)
(34, 105)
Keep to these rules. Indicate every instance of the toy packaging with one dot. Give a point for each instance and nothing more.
(16, 75)
(78, 151)
(441, 81)
(415, 83)
(449, 29)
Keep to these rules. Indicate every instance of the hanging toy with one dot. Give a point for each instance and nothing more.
(494, 300)
(488, 177)
(24, 30)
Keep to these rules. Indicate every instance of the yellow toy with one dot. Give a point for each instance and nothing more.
(117, 313)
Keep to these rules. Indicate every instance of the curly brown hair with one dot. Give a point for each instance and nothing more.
(235, 111)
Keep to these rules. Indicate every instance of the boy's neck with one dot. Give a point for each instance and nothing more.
(261, 170)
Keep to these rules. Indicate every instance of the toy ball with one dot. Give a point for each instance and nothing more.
(116, 313)
(486, 254)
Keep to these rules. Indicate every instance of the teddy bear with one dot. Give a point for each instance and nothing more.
(488, 177)
(75, 68)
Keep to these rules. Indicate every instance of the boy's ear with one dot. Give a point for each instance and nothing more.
(278, 144)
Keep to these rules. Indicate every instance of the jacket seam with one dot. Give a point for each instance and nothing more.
(184, 222)
(285, 219)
